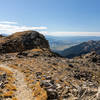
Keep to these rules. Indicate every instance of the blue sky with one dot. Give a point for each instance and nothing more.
(52, 17)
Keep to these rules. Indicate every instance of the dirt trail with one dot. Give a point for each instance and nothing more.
(23, 92)
(98, 94)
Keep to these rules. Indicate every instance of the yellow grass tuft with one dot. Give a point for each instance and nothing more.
(14, 98)
(6, 70)
(39, 93)
(10, 87)
(8, 94)
(36, 50)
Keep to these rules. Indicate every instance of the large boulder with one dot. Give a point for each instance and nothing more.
(21, 41)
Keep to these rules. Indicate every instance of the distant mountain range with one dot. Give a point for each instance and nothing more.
(58, 44)
(82, 48)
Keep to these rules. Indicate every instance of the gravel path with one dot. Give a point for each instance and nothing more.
(23, 92)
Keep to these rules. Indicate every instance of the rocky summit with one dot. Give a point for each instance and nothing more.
(21, 41)
(30, 71)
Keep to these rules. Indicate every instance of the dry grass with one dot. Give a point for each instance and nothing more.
(10, 87)
(17, 34)
(14, 98)
(35, 50)
(6, 70)
(8, 94)
(13, 66)
(39, 92)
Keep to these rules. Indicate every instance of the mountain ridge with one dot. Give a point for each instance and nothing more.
(82, 48)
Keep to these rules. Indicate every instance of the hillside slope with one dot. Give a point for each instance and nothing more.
(83, 48)
(47, 76)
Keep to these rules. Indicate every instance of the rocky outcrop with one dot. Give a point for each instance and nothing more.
(22, 41)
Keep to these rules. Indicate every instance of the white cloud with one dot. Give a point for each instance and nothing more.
(7, 27)
(74, 33)
(7, 22)
(44, 32)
